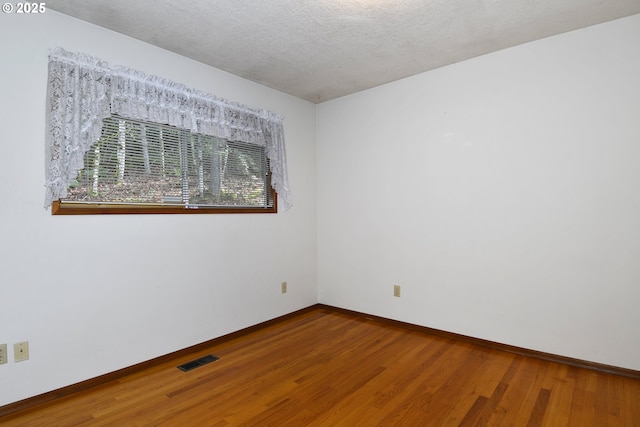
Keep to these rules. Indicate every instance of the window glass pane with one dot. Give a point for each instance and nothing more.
(146, 163)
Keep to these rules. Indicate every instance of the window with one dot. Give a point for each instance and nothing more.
(145, 167)
(121, 141)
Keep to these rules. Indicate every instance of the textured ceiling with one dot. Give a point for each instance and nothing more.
(323, 49)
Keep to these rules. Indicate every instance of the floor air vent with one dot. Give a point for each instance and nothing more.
(197, 363)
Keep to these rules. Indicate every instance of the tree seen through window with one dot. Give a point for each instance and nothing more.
(145, 163)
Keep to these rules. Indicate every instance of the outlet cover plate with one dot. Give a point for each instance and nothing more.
(396, 290)
(21, 351)
(3, 354)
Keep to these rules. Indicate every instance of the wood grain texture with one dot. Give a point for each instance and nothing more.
(324, 367)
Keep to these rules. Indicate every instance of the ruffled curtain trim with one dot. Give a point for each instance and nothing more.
(83, 90)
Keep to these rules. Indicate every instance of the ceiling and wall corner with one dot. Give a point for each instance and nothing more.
(500, 192)
(324, 49)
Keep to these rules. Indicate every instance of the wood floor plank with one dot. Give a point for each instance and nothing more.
(515, 401)
(482, 382)
(474, 414)
(582, 404)
(630, 409)
(328, 368)
(481, 418)
(440, 393)
(481, 415)
(539, 408)
(402, 375)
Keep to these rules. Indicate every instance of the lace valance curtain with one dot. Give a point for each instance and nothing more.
(83, 90)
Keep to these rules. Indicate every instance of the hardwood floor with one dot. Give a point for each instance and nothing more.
(327, 368)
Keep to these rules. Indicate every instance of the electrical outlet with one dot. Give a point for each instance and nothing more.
(396, 290)
(3, 354)
(21, 351)
(283, 287)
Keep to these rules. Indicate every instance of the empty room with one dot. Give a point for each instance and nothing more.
(320, 213)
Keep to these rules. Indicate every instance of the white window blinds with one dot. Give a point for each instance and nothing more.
(138, 163)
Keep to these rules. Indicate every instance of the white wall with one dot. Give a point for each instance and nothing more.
(93, 294)
(501, 193)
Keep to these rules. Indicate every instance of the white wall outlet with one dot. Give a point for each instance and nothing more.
(396, 290)
(3, 354)
(21, 351)
(283, 287)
